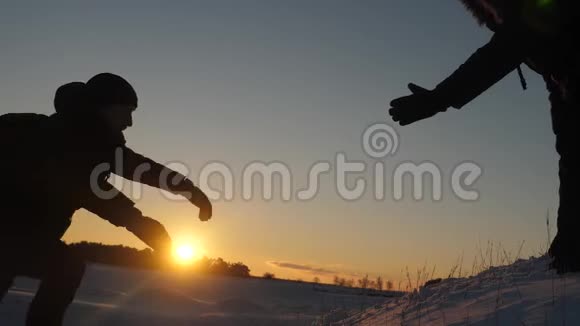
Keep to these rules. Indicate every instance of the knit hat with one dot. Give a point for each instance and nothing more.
(108, 89)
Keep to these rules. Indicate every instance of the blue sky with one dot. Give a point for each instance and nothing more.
(297, 82)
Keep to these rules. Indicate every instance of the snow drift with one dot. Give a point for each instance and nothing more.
(523, 293)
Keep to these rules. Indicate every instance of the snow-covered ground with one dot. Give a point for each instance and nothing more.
(116, 296)
(523, 293)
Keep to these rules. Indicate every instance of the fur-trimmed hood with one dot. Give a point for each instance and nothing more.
(491, 12)
(546, 17)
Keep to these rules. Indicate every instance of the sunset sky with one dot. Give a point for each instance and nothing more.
(298, 82)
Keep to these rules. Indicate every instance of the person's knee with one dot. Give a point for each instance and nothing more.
(71, 270)
(5, 284)
(76, 268)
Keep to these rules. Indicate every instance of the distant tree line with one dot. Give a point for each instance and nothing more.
(122, 256)
(364, 283)
(217, 266)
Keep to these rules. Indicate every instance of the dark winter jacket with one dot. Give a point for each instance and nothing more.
(537, 33)
(59, 165)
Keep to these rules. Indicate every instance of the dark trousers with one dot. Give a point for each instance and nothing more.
(59, 270)
(565, 121)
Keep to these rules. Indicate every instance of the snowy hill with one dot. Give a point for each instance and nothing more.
(115, 296)
(523, 293)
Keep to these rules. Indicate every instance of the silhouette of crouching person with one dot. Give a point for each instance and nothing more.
(85, 133)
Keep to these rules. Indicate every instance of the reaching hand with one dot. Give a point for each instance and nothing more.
(422, 104)
(200, 200)
(205, 209)
(152, 233)
(187, 189)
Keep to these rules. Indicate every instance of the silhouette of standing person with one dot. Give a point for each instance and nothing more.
(541, 34)
(61, 163)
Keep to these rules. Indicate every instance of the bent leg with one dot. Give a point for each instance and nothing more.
(5, 284)
(60, 280)
(8, 266)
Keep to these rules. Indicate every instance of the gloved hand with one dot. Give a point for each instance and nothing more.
(199, 199)
(422, 104)
(152, 233)
(187, 189)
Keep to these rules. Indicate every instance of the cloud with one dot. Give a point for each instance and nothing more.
(303, 267)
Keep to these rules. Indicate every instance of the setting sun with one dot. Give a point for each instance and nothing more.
(185, 253)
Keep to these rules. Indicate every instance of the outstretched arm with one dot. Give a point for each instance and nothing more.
(113, 206)
(505, 52)
(139, 168)
(488, 65)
